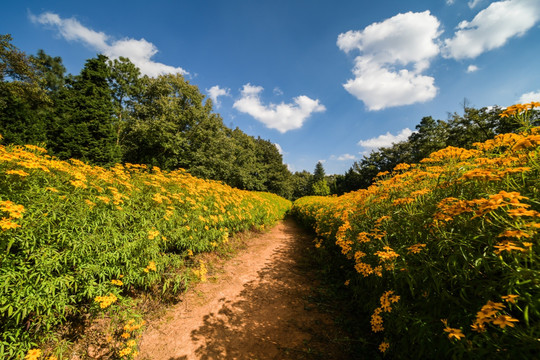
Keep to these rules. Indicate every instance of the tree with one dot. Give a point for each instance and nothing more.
(85, 116)
(18, 76)
(318, 173)
(301, 184)
(126, 84)
(431, 135)
(276, 177)
(50, 70)
(22, 100)
(320, 188)
(167, 107)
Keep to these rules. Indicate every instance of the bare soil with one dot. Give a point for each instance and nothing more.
(256, 308)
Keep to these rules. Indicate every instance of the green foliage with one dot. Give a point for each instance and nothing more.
(69, 229)
(454, 238)
(301, 181)
(318, 173)
(85, 118)
(109, 113)
(475, 125)
(320, 188)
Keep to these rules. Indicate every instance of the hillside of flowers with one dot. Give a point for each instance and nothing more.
(77, 239)
(441, 258)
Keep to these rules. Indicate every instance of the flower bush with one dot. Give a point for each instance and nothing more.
(442, 257)
(75, 237)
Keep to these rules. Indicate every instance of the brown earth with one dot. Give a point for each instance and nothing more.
(257, 308)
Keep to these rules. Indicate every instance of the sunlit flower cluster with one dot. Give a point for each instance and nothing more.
(461, 215)
(491, 314)
(106, 301)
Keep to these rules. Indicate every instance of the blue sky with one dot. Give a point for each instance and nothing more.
(324, 80)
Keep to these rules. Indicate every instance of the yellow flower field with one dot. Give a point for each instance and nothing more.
(76, 238)
(453, 238)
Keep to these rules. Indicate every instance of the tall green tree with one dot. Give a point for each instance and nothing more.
(318, 173)
(22, 99)
(126, 85)
(50, 70)
(167, 112)
(276, 176)
(318, 185)
(301, 182)
(85, 111)
(431, 135)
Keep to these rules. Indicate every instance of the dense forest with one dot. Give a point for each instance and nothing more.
(110, 113)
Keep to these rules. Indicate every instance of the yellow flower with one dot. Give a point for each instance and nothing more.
(106, 301)
(131, 343)
(33, 354)
(117, 282)
(505, 320)
(454, 333)
(152, 234)
(124, 352)
(510, 298)
(507, 246)
(17, 172)
(384, 346)
(35, 148)
(416, 248)
(7, 224)
(151, 266)
(514, 233)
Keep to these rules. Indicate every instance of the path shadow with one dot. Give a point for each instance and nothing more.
(272, 319)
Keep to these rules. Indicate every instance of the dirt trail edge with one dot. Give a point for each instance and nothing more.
(257, 309)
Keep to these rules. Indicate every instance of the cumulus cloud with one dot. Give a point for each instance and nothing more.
(140, 52)
(215, 91)
(472, 68)
(386, 140)
(529, 97)
(492, 27)
(278, 147)
(393, 55)
(282, 117)
(345, 157)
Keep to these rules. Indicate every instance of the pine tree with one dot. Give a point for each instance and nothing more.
(85, 116)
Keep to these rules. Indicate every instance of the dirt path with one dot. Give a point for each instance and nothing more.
(257, 309)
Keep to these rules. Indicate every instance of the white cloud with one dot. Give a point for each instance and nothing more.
(140, 52)
(450, 2)
(215, 91)
(386, 139)
(473, 3)
(278, 147)
(472, 68)
(405, 40)
(282, 117)
(277, 91)
(529, 97)
(492, 27)
(345, 157)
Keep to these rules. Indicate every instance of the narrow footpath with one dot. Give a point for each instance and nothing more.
(258, 308)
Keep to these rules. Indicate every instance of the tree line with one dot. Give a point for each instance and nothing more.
(110, 113)
(474, 125)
